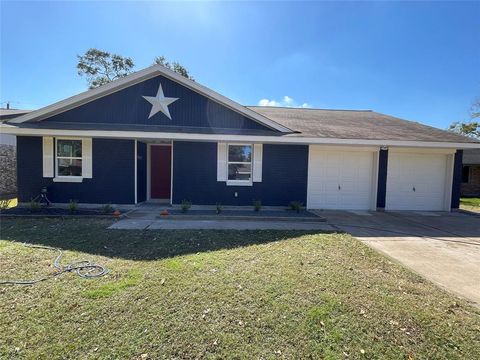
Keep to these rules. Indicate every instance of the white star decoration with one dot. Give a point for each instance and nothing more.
(160, 103)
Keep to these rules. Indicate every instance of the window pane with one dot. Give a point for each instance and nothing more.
(69, 167)
(239, 171)
(465, 174)
(241, 153)
(69, 148)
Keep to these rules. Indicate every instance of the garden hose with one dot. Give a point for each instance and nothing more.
(83, 268)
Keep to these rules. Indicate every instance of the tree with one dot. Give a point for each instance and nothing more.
(475, 109)
(101, 67)
(469, 128)
(175, 66)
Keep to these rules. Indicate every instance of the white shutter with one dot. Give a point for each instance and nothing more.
(257, 162)
(221, 162)
(87, 158)
(48, 157)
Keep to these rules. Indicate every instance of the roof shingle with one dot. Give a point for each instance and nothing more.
(355, 124)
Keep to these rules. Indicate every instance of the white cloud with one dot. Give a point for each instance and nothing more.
(266, 102)
(286, 101)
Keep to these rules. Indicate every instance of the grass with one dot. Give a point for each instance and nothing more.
(221, 294)
(8, 203)
(470, 203)
(132, 278)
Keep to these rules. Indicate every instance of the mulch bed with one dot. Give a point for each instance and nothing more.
(261, 213)
(53, 212)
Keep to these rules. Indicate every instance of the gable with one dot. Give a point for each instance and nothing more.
(129, 107)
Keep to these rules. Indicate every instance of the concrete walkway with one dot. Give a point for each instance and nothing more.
(145, 224)
(145, 217)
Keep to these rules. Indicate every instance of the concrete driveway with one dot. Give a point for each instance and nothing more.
(442, 247)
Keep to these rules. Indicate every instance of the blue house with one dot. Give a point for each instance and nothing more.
(157, 136)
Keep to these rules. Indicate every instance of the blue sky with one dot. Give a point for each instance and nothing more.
(415, 60)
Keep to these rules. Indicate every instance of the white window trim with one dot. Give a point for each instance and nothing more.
(63, 178)
(240, 182)
(68, 179)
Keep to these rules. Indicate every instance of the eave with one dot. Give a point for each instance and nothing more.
(290, 139)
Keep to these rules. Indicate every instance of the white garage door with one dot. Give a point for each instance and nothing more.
(340, 179)
(416, 181)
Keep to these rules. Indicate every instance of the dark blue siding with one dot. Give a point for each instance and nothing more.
(141, 172)
(127, 106)
(457, 179)
(284, 177)
(382, 178)
(113, 174)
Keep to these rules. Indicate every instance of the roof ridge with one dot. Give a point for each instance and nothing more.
(304, 108)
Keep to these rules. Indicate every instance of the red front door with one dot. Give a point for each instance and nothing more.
(160, 171)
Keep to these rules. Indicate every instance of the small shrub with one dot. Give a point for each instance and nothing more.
(5, 204)
(34, 206)
(218, 208)
(296, 206)
(106, 209)
(72, 206)
(257, 205)
(186, 205)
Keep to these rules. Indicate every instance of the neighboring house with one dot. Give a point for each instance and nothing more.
(8, 161)
(471, 173)
(6, 115)
(155, 135)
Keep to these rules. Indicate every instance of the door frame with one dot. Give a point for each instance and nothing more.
(149, 174)
(449, 167)
(374, 151)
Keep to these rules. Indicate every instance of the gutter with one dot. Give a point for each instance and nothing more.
(290, 139)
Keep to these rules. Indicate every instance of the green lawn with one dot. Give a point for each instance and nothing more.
(470, 202)
(221, 294)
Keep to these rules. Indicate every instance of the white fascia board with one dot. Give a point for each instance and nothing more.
(85, 97)
(144, 135)
(135, 78)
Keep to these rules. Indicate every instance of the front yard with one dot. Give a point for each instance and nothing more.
(472, 204)
(221, 294)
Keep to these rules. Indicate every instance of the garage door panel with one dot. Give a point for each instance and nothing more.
(331, 171)
(340, 179)
(416, 181)
(348, 186)
(349, 174)
(330, 187)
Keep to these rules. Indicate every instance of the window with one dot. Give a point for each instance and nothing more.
(466, 174)
(69, 157)
(239, 164)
